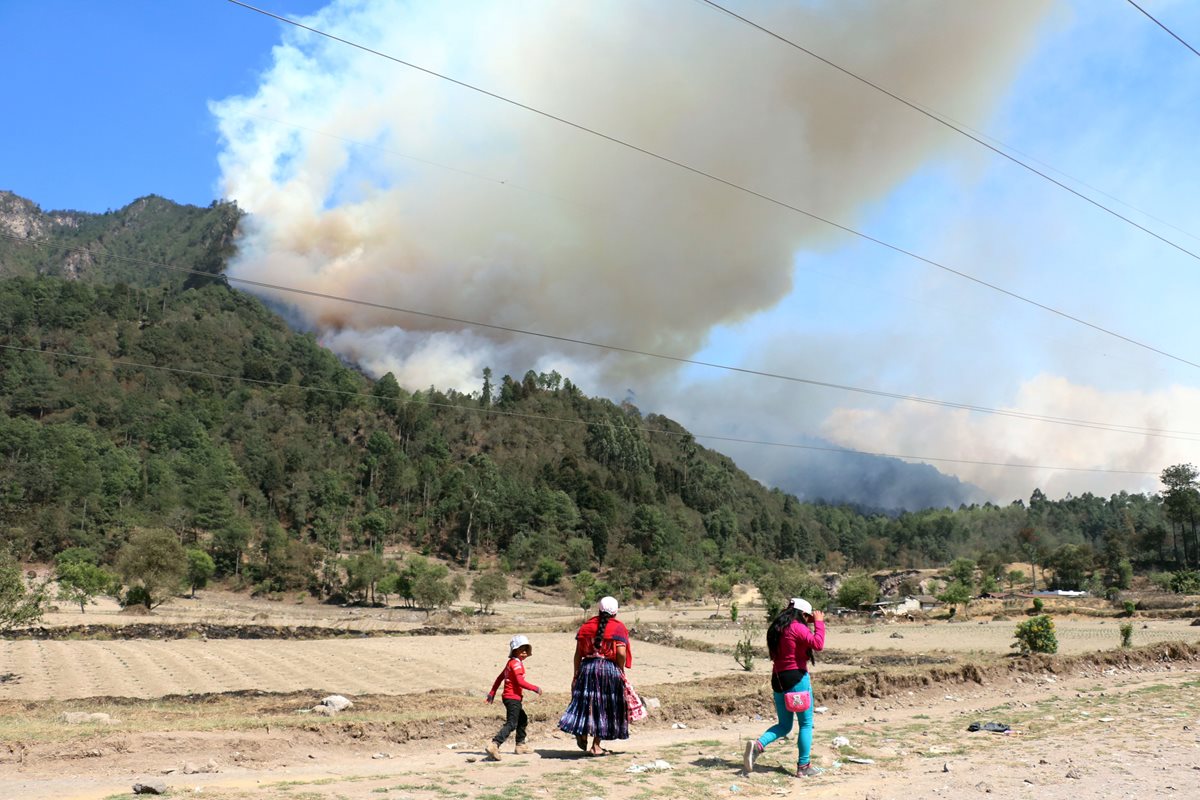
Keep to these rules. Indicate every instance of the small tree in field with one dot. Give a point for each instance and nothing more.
(200, 568)
(488, 589)
(720, 588)
(1126, 634)
(955, 595)
(1015, 576)
(1036, 635)
(433, 588)
(154, 562)
(81, 583)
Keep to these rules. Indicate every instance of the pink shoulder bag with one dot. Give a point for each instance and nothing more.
(797, 701)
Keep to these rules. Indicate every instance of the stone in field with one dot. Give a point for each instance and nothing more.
(152, 787)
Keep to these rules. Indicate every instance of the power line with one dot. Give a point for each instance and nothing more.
(1176, 36)
(943, 121)
(733, 185)
(1072, 422)
(519, 415)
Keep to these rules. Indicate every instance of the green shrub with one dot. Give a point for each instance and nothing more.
(1185, 582)
(1161, 581)
(1036, 635)
(857, 591)
(548, 572)
(1038, 605)
(1126, 634)
(743, 651)
(956, 594)
(136, 596)
(733, 611)
(1129, 607)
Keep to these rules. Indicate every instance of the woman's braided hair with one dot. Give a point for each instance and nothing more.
(599, 640)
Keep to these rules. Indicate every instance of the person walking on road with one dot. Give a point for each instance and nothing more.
(791, 643)
(513, 678)
(598, 702)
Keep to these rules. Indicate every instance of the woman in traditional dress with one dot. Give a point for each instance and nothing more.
(598, 707)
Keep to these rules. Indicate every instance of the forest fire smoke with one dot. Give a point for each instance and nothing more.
(530, 224)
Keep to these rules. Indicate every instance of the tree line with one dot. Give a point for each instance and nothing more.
(299, 473)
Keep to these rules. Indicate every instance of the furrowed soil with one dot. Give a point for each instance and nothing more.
(221, 709)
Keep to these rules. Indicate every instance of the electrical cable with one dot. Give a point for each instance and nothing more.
(733, 185)
(500, 412)
(1091, 424)
(942, 121)
(1176, 36)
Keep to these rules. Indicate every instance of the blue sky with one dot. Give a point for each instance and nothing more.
(112, 100)
(116, 105)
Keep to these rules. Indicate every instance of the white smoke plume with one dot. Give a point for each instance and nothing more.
(933, 432)
(532, 225)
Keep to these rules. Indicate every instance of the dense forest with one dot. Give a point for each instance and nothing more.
(134, 398)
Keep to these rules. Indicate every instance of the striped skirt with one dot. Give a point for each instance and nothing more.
(597, 702)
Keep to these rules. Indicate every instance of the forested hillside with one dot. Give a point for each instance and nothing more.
(187, 405)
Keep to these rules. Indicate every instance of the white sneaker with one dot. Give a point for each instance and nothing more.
(753, 748)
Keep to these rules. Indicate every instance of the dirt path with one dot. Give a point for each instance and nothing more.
(1096, 734)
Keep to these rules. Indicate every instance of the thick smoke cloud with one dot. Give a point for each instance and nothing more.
(564, 233)
(916, 429)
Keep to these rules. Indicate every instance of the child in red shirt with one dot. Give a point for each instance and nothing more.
(513, 677)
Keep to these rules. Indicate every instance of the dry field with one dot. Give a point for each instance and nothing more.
(418, 725)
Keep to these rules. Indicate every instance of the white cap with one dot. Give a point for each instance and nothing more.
(520, 640)
(802, 605)
(609, 605)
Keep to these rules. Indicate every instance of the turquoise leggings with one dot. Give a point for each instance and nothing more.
(784, 726)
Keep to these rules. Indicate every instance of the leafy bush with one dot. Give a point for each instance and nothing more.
(1161, 581)
(957, 593)
(1126, 634)
(1038, 605)
(1129, 607)
(733, 611)
(21, 602)
(136, 596)
(1185, 582)
(548, 572)
(857, 591)
(1036, 635)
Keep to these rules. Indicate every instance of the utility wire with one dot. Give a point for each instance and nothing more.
(1094, 425)
(733, 185)
(1176, 36)
(941, 121)
(519, 415)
